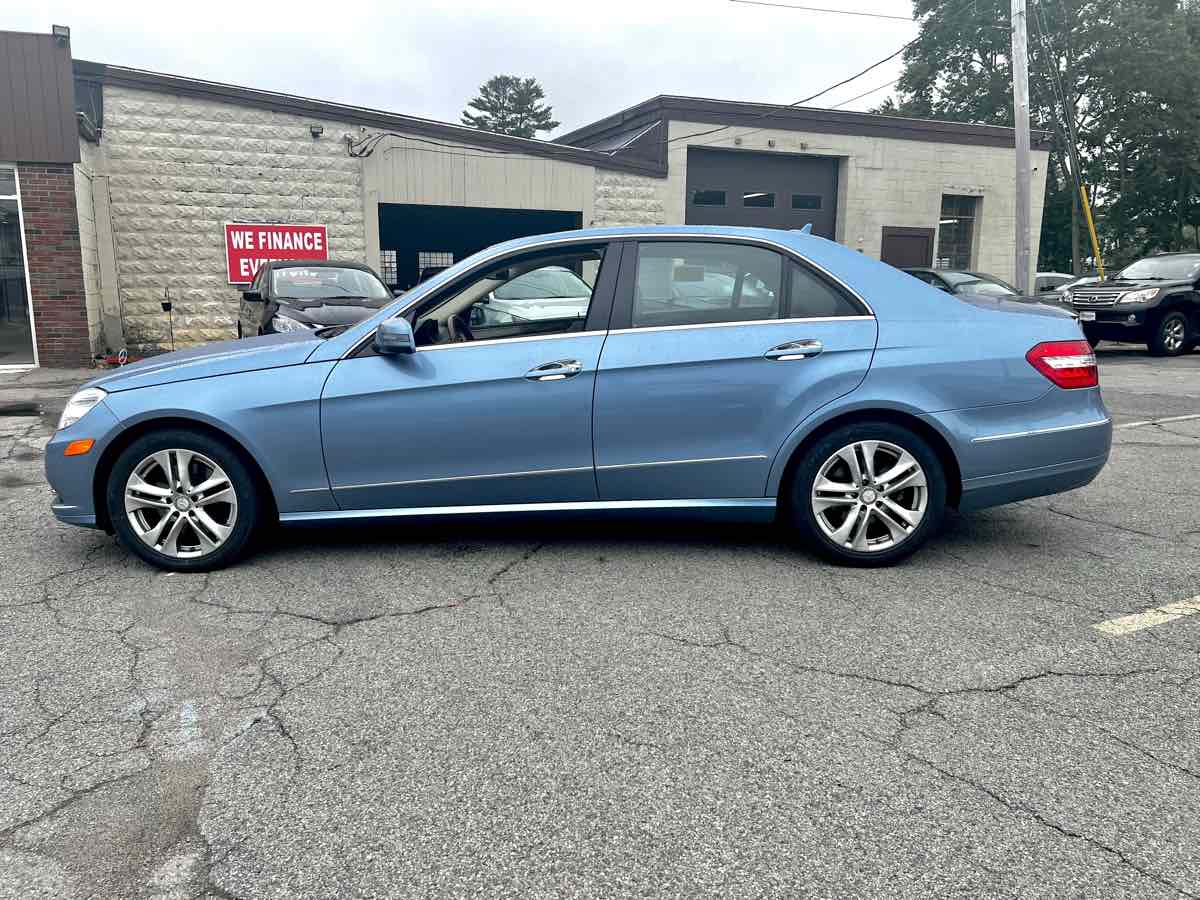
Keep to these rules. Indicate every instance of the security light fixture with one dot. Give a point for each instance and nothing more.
(62, 34)
(316, 130)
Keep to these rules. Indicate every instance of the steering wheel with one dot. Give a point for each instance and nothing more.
(459, 330)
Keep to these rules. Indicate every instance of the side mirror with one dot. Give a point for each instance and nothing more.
(252, 296)
(394, 337)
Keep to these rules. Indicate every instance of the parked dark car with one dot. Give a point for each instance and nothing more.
(304, 295)
(959, 281)
(1154, 301)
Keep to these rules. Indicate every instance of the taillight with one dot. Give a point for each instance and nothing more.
(1069, 364)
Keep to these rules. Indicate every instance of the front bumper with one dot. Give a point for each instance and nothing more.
(1129, 316)
(71, 478)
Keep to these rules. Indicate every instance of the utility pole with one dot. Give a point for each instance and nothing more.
(1020, 70)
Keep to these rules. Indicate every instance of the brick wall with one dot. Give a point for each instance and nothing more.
(625, 199)
(55, 267)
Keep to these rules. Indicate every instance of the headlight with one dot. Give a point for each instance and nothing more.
(283, 323)
(79, 406)
(1144, 296)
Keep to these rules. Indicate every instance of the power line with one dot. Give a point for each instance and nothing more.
(822, 9)
(865, 94)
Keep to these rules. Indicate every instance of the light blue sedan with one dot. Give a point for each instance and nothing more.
(808, 384)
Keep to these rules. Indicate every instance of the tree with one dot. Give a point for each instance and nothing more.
(508, 104)
(1118, 75)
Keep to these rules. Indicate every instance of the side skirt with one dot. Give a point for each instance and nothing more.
(755, 509)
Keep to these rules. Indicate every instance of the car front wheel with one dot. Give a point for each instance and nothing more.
(1170, 336)
(183, 500)
(869, 494)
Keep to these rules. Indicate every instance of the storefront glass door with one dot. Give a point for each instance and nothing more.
(16, 323)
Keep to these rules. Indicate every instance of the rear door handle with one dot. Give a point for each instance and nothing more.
(555, 371)
(795, 350)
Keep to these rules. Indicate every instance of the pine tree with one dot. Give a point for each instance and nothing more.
(508, 104)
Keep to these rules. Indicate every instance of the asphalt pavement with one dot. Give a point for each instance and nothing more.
(615, 709)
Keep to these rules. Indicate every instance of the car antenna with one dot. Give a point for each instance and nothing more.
(807, 229)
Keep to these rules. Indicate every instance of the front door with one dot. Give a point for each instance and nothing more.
(718, 351)
(495, 407)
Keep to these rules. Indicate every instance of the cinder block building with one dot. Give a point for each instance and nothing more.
(127, 206)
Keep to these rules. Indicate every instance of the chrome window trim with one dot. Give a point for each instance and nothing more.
(379, 484)
(765, 503)
(987, 438)
(806, 319)
(680, 462)
(466, 345)
(789, 252)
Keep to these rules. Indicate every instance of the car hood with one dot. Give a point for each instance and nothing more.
(1129, 284)
(331, 311)
(223, 358)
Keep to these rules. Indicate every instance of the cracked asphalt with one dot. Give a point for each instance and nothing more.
(621, 709)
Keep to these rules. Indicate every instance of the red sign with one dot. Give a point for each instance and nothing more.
(250, 244)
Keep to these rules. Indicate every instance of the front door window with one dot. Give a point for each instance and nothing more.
(16, 320)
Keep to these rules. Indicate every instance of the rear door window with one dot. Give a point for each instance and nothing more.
(811, 296)
(700, 283)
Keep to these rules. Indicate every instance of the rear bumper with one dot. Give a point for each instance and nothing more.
(1015, 451)
(993, 490)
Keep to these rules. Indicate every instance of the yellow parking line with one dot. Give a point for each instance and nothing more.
(1157, 615)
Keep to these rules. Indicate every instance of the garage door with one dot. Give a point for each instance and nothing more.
(762, 190)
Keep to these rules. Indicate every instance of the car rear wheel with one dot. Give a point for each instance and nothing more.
(868, 494)
(183, 500)
(1170, 337)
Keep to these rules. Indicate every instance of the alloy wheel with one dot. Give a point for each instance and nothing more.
(180, 503)
(1173, 335)
(870, 496)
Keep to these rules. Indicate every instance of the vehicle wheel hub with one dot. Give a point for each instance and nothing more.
(181, 503)
(869, 496)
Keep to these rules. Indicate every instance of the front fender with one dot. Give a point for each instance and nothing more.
(274, 416)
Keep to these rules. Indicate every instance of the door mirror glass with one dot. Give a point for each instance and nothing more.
(252, 296)
(394, 337)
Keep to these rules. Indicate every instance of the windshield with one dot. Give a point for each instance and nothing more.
(985, 286)
(326, 283)
(546, 283)
(1162, 268)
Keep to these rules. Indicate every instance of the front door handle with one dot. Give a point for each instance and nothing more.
(795, 350)
(555, 371)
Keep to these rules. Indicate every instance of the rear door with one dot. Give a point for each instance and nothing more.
(718, 350)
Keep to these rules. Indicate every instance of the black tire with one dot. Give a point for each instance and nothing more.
(240, 329)
(804, 519)
(249, 507)
(1092, 338)
(1164, 334)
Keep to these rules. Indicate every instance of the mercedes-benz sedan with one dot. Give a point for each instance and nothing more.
(738, 373)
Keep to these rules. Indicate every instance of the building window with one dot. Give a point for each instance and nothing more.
(428, 259)
(806, 201)
(956, 231)
(387, 266)
(760, 199)
(708, 198)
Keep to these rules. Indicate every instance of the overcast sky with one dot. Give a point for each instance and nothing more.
(428, 59)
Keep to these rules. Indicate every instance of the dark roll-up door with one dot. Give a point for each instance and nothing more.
(761, 190)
